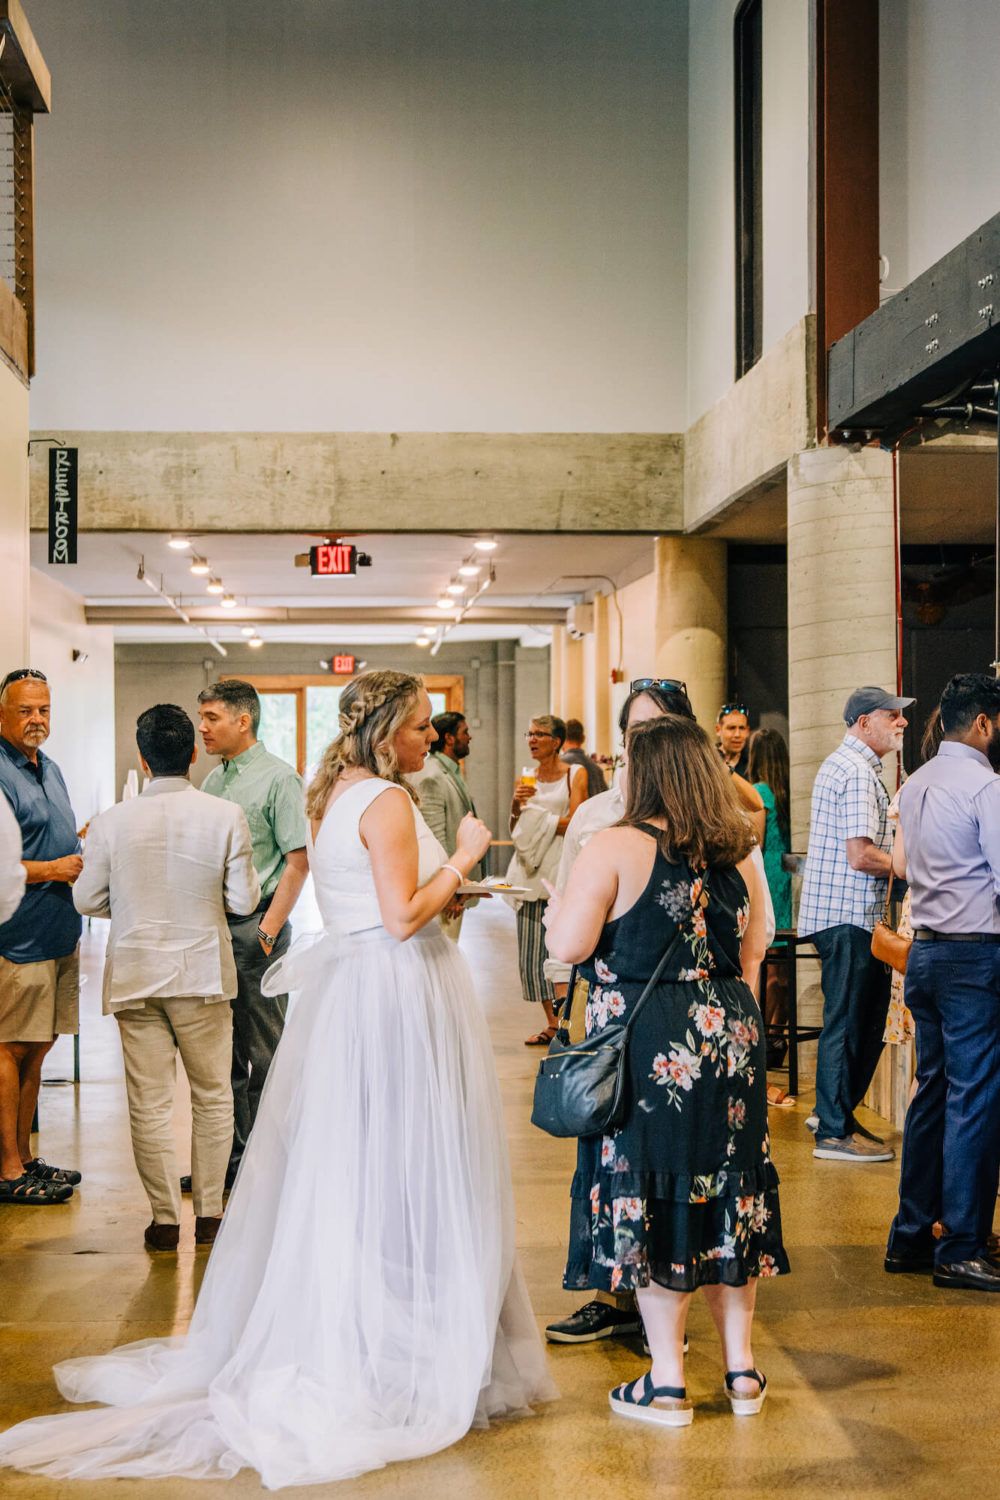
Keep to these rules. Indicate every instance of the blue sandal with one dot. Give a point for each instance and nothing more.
(673, 1408)
(745, 1406)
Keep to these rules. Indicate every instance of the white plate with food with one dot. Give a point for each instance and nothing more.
(492, 886)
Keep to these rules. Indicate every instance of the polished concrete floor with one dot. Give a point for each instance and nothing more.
(880, 1386)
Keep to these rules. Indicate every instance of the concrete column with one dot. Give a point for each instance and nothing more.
(511, 750)
(841, 601)
(556, 692)
(572, 679)
(597, 680)
(14, 556)
(690, 627)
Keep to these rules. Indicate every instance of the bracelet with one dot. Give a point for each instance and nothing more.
(455, 871)
(266, 938)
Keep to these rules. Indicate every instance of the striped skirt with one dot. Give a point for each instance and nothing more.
(532, 952)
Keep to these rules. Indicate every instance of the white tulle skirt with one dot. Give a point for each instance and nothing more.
(363, 1302)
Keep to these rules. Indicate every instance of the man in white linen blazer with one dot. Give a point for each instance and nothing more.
(166, 867)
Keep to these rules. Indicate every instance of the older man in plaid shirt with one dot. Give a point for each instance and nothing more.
(847, 870)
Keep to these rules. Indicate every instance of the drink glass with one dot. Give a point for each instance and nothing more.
(529, 776)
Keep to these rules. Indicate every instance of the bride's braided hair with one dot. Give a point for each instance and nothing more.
(373, 708)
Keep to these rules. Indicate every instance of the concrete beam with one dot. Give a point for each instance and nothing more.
(353, 482)
(753, 431)
(157, 614)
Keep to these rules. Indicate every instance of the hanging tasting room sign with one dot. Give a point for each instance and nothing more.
(62, 504)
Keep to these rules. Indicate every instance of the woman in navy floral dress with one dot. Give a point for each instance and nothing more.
(683, 1195)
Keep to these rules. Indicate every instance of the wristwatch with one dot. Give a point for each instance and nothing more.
(266, 938)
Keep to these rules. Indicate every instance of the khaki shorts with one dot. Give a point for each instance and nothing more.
(39, 1002)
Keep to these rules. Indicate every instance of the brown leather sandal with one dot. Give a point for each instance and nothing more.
(542, 1038)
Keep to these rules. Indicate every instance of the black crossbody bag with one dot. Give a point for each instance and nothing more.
(580, 1090)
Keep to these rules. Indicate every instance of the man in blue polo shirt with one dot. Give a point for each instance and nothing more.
(39, 962)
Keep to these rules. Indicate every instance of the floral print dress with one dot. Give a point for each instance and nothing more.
(684, 1193)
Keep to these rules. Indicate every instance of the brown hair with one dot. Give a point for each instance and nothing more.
(675, 773)
(373, 708)
(768, 762)
(930, 740)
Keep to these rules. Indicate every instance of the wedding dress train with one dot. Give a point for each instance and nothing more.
(363, 1302)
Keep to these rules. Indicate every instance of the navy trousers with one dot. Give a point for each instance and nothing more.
(855, 1004)
(951, 1140)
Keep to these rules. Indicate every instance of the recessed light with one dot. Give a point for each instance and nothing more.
(255, 643)
(486, 544)
(446, 602)
(228, 601)
(470, 570)
(455, 588)
(179, 543)
(422, 640)
(200, 567)
(214, 586)
(249, 630)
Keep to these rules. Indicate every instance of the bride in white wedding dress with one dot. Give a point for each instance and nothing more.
(363, 1302)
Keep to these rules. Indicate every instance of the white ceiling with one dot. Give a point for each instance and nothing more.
(550, 571)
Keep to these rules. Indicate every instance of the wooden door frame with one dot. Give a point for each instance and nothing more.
(296, 683)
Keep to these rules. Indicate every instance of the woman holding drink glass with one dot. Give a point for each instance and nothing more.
(545, 798)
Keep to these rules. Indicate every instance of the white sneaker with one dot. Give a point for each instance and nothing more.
(812, 1123)
(850, 1148)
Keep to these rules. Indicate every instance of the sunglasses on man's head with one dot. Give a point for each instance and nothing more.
(733, 708)
(665, 685)
(20, 675)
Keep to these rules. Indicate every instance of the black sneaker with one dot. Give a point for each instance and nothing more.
(597, 1320)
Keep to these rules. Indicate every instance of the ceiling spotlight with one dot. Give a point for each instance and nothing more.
(214, 586)
(486, 544)
(422, 640)
(249, 630)
(470, 570)
(179, 543)
(255, 643)
(455, 588)
(228, 601)
(200, 567)
(445, 602)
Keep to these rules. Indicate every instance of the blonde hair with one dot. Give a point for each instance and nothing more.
(373, 708)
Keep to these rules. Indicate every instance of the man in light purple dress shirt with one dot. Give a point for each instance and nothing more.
(949, 849)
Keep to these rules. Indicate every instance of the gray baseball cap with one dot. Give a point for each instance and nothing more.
(868, 700)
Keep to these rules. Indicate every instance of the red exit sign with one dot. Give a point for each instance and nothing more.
(333, 560)
(343, 666)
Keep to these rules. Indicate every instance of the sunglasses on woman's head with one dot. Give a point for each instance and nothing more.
(20, 675)
(665, 685)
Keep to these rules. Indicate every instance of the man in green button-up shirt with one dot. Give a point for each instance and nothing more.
(270, 793)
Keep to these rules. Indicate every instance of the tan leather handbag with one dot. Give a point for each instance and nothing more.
(889, 946)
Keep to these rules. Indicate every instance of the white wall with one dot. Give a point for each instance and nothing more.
(939, 125)
(13, 521)
(411, 214)
(82, 742)
(786, 135)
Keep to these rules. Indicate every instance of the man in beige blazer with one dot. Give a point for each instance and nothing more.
(445, 799)
(166, 867)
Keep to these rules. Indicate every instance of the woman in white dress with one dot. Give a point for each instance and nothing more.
(363, 1302)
